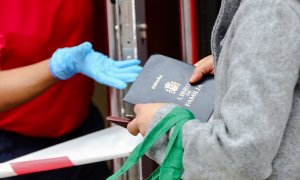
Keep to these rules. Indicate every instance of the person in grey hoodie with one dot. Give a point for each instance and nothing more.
(254, 132)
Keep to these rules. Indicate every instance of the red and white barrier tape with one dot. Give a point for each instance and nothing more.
(110, 143)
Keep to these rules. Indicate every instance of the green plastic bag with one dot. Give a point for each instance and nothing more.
(171, 168)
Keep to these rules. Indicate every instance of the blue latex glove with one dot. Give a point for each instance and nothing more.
(66, 62)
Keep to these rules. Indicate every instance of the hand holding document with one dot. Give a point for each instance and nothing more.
(166, 80)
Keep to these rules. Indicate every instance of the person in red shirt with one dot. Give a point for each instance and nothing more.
(47, 72)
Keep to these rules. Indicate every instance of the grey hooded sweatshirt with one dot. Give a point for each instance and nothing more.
(254, 132)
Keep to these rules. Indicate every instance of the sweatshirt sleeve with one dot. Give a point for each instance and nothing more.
(254, 96)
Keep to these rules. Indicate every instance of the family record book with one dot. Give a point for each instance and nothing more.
(166, 80)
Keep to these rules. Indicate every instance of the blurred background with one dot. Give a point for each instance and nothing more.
(137, 29)
(164, 32)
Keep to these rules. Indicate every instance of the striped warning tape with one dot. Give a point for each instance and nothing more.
(110, 143)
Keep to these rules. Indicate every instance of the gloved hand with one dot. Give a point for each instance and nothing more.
(66, 62)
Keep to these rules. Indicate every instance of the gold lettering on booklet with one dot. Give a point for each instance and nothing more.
(193, 95)
(190, 94)
(184, 91)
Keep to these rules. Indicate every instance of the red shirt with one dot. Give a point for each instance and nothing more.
(30, 31)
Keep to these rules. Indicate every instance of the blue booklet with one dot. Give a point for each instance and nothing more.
(166, 80)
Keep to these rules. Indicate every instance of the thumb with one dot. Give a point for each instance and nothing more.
(132, 128)
(83, 48)
(198, 73)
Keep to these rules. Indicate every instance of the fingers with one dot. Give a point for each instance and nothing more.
(86, 45)
(84, 48)
(144, 116)
(115, 79)
(127, 63)
(204, 66)
(199, 62)
(132, 127)
(126, 77)
(129, 69)
(127, 74)
(197, 74)
(112, 82)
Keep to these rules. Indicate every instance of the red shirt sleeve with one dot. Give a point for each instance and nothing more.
(31, 31)
(2, 45)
